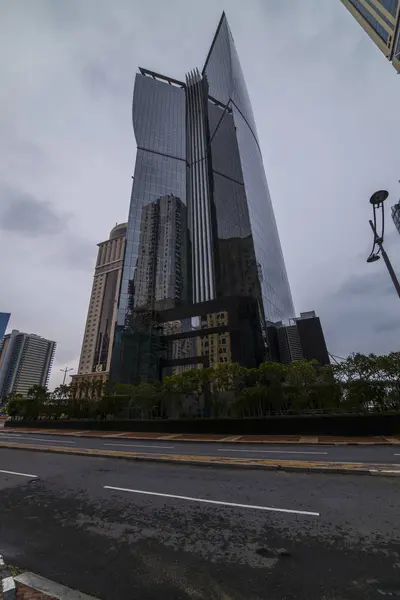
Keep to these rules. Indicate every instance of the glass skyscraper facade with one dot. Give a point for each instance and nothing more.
(396, 215)
(381, 20)
(201, 225)
(4, 318)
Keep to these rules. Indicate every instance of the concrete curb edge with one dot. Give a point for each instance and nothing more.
(7, 582)
(50, 588)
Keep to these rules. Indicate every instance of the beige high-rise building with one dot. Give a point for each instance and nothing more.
(381, 20)
(98, 338)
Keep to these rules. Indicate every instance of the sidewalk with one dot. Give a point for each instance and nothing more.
(188, 437)
(28, 586)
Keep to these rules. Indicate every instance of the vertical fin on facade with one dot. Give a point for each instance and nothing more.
(200, 214)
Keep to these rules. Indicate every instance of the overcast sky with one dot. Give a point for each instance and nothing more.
(326, 104)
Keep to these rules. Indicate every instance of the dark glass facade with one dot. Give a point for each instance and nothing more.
(396, 215)
(201, 225)
(4, 318)
(246, 231)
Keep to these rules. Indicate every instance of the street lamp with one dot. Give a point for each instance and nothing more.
(65, 371)
(377, 201)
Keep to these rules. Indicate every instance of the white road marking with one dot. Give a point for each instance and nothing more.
(140, 446)
(268, 451)
(21, 474)
(233, 504)
(28, 437)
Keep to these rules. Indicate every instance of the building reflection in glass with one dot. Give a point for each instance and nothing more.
(212, 348)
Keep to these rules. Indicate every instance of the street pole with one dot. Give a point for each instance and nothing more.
(65, 371)
(385, 257)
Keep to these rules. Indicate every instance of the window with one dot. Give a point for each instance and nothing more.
(381, 31)
(390, 5)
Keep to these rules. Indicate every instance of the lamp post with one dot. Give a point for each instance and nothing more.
(65, 371)
(377, 201)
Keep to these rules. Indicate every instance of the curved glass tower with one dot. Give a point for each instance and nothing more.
(201, 226)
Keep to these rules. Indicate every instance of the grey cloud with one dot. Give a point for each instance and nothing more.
(363, 315)
(65, 355)
(24, 214)
(367, 284)
(75, 252)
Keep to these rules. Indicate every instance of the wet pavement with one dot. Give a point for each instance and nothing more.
(116, 529)
(389, 454)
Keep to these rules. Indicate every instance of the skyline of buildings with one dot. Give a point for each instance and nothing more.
(190, 248)
(25, 360)
(381, 21)
(198, 154)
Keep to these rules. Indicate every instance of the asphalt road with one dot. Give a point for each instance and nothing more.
(362, 454)
(199, 533)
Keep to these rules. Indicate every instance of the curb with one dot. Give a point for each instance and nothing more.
(388, 470)
(7, 582)
(50, 588)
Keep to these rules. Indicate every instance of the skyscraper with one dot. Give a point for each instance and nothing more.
(396, 215)
(98, 338)
(381, 20)
(302, 339)
(4, 318)
(198, 151)
(25, 360)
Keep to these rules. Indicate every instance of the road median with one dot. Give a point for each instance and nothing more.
(323, 440)
(254, 463)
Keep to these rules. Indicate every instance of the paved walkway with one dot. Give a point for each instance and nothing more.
(188, 437)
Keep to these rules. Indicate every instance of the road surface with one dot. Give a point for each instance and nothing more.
(363, 454)
(119, 529)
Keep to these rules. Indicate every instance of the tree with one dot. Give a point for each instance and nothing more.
(15, 405)
(146, 397)
(226, 380)
(191, 383)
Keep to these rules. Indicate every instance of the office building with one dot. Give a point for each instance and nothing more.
(25, 360)
(381, 20)
(396, 215)
(199, 163)
(302, 339)
(98, 338)
(4, 318)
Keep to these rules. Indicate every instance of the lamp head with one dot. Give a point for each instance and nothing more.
(373, 258)
(379, 197)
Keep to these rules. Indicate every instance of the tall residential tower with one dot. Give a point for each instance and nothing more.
(381, 20)
(25, 360)
(98, 338)
(214, 264)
